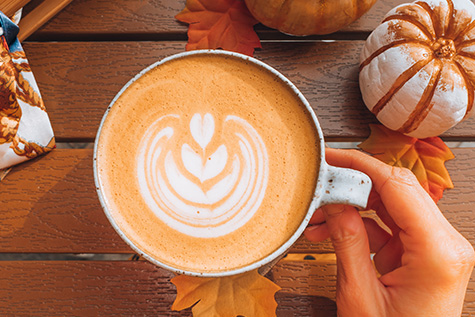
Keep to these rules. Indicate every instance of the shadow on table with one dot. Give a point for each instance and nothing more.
(296, 305)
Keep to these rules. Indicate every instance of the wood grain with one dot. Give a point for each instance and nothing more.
(78, 80)
(10, 7)
(155, 19)
(307, 277)
(50, 204)
(61, 212)
(87, 288)
(318, 278)
(122, 288)
(294, 305)
(139, 288)
(39, 16)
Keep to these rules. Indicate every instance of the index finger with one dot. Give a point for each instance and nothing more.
(408, 204)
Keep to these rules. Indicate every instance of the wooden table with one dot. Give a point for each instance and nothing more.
(49, 206)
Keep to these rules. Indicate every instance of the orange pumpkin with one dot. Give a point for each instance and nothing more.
(305, 17)
(417, 71)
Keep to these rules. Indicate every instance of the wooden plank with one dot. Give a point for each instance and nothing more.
(39, 16)
(139, 288)
(86, 288)
(87, 18)
(122, 288)
(307, 277)
(10, 7)
(318, 278)
(50, 205)
(79, 79)
(295, 305)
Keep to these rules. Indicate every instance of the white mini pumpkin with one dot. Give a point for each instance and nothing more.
(417, 68)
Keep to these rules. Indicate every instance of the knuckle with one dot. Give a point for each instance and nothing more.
(346, 237)
(403, 175)
(463, 254)
(346, 228)
(459, 260)
(470, 255)
(344, 240)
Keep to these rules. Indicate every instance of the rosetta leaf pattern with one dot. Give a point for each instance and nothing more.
(205, 191)
(215, 163)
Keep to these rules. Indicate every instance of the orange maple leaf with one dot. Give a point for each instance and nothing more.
(248, 294)
(225, 24)
(424, 157)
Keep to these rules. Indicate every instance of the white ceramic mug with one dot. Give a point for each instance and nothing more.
(334, 185)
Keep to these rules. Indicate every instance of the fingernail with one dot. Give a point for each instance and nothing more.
(333, 209)
(313, 227)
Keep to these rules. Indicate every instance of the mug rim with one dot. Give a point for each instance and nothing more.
(316, 193)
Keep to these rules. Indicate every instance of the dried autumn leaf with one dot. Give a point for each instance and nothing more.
(424, 157)
(248, 294)
(225, 24)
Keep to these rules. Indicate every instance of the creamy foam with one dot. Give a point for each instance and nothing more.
(208, 163)
(205, 194)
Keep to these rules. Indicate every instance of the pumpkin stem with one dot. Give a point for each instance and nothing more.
(444, 48)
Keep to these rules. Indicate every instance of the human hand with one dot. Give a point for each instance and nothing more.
(424, 263)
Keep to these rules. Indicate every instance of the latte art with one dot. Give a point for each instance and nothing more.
(207, 163)
(195, 188)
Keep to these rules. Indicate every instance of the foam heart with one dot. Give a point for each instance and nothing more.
(202, 129)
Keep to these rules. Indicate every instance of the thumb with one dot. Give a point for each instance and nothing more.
(356, 275)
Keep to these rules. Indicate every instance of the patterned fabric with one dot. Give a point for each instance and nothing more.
(25, 129)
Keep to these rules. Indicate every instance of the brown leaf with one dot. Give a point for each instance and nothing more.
(424, 157)
(225, 24)
(248, 294)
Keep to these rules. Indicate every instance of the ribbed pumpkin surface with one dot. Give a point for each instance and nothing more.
(417, 71)
(305, 17)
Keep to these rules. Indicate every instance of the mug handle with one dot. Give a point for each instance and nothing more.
(346, 186)
(340, 186)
